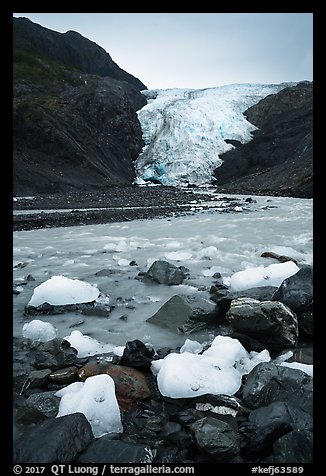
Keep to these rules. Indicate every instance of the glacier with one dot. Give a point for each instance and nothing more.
(186, 130)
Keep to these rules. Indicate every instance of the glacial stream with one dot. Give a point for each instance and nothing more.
(205, 242)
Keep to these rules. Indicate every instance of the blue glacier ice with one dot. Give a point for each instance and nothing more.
(185, 130)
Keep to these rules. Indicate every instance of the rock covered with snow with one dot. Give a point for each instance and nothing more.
(59, 290)
(96, 399)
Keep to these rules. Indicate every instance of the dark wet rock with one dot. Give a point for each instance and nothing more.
(280, 258)
(181, 309)
(90, 309)
(137, 355)
(55, 440)
(257, 442)
(106, 450)
(163, 272)
(306, 323)
(297, 293)
(268, 383)
(38, 378)
(248, 342)
(224, 297)
(107, 272)
(64, 376)
(55, 354)
(270, 322)
(216, 438)
(38, 407)
(281, 412)
(21, 372)
(219, 403)
(186, 416)
(294, 447)
(97, 310)
(166, 455)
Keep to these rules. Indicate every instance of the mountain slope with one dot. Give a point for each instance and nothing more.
(74, 114)
(279, 158)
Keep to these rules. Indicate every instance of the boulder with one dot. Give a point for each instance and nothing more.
(38, 407)
(137, 355)
(257, 442)
(55, 354)
(270, 322)
(216, 438)
(294, 447)
(282, 412)
(55, 440)
(297, 293)
(106, 450)
(163, 272)
(180, 310)
(268, 383)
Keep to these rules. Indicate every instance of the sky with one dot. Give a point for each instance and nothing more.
(197, 50)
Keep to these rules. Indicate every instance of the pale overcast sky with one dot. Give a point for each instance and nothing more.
(197, 50)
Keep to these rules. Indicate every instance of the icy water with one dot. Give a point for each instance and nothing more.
(205, 242)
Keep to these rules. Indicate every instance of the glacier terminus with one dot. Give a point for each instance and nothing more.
(186, 130)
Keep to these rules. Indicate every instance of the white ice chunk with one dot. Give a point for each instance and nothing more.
(39, 331)
(209, 252)
(191, 346)
(178, 255)
(248, 363)
(308, 369)
(188, 375)
(59, 290)
(68, 262)
(210, 271)
(272, 275)
(118, 350)
(218, 370)
(86, 345)
(96, 399)
(283, 357)
(226, 351)
(123, 262)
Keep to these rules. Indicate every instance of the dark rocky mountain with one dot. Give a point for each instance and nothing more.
(279, 158)
(74, 113)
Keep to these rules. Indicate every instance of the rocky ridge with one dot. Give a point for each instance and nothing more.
(74, 114)
(279, 158)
